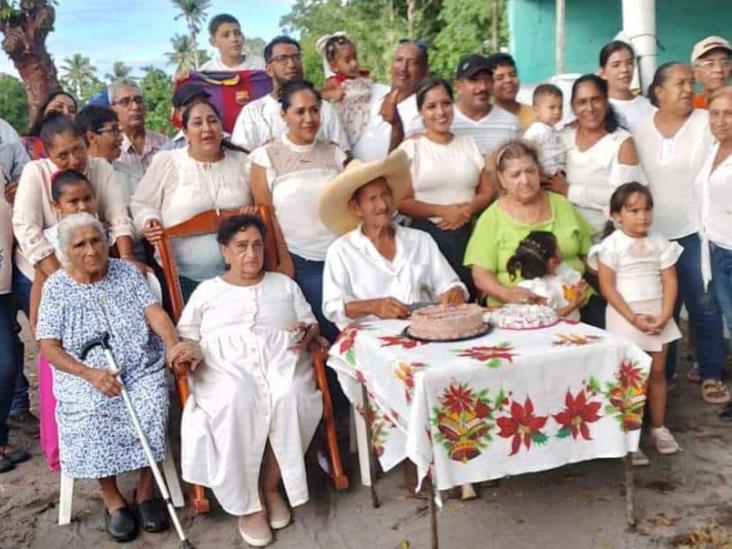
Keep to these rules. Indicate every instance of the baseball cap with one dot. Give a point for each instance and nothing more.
(710, 43)
(187, 92)
(471, 65)
(99, 99)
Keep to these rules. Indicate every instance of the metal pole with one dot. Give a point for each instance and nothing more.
(629, 491)
(560, 16)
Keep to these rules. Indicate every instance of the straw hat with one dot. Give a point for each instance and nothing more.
(334, 198)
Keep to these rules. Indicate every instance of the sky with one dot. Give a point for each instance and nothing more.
(138, 32)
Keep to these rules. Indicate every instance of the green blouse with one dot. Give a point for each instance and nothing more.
(497, 235)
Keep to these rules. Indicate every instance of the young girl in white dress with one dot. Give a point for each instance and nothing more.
(539, 262)
(638, 280)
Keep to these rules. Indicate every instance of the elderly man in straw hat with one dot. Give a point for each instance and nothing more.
(377, 268)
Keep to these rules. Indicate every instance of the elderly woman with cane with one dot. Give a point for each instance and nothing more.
(94, 295)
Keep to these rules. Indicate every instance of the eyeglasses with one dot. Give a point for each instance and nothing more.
(283, 59)
(127, 101)
(114, 130)
(711, 63)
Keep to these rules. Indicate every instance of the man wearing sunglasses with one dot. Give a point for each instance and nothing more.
(260, 121)
(138, 144)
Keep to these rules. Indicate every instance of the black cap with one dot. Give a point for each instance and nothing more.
(186, 92)
(470, 65)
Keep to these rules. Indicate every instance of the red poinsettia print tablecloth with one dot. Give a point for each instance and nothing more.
(507, 403)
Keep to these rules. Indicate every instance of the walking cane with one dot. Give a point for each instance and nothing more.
(103, 342)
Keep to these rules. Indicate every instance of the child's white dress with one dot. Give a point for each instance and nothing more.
(558, 289)
(355, 107)
(638, 263)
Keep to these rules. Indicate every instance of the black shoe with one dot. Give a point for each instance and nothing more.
(121, 524)
(17, 456)
(6, 464)
(152, 515)
(726, 413)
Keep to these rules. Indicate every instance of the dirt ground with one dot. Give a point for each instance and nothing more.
(683, 500)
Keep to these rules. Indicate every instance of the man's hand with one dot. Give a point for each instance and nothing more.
(388, 109)
(153, 231)
(10, 190)
(389, 307)
(453, 296)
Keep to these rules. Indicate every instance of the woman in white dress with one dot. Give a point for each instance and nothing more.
(448, 182)
(208, 174)
(601, 155)
(287, 176)
(672, 144)
(713, 183)
(617, 63)
(254, 404)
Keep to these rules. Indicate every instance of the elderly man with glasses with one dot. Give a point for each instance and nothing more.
(138, 144)
(712, 65)
(261, 121)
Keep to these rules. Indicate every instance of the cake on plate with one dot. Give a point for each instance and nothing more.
(447, 322)
(520, 316)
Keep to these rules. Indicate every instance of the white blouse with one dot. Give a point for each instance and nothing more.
(177, 187)
(714, 189)
(295, 188)
(637, 263)
(444, 173)
(595, 173)
(632, 111)
(555, 288)
(355, 270)
(671, 166)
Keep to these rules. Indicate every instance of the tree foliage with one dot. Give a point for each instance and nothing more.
(79, 77)
(194, 13)
(183, 57)
(157, 88)
(120, 71)
(13, 104)
(451, 28)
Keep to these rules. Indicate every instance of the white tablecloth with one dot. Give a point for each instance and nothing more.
(507, 403)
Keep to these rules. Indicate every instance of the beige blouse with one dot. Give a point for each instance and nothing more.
(33, 209)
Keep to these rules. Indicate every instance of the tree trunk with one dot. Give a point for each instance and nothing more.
(25, 31)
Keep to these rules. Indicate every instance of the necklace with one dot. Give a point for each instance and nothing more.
(211, 179)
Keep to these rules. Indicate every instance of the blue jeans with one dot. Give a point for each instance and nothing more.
(705, 320)
(722, 281)
(21, 293)
(8, 361)
(309, 276)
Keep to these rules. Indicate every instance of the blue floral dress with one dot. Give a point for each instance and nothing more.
(96, 436)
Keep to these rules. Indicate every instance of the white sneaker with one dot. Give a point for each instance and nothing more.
(639, 458)
(664, 441)
(257, 533)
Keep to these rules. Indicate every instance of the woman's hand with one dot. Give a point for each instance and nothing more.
(248, 210)
(184, 352)
(104, 381)
(658, 323)
(522, 295)
(309, 331)
(453, 296)
(579, 293)
(646, 324)
(153, 232)
(455, 216)
(557, 183)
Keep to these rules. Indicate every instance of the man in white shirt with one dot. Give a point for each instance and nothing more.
(377, 268)
(490, 125)
(393, 110)
(225, 35)
(139, 145)
(7, 132)
(261, 121)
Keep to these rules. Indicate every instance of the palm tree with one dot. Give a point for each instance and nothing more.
(78, 73)
(25, 28)
(120, 71)
(194, 12)
(184, 56)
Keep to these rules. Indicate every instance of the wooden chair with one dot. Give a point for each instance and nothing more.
(207, 223)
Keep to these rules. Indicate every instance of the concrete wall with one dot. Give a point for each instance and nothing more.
(590, 24)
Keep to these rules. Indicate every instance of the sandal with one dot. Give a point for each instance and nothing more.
(694, 374)
(6, 464)
(715, 391)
